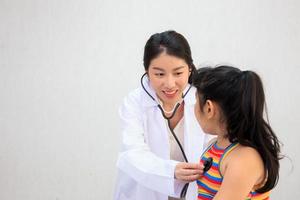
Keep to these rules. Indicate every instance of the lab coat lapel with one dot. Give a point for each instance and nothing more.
(157, 134)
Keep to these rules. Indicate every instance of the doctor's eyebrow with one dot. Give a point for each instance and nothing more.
(157, 68)
(177, 68)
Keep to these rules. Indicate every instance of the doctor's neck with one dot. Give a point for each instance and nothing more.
(169, 107)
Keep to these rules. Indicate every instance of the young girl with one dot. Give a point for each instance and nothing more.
(245, 155)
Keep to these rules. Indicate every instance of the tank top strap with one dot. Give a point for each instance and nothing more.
(208, 147)
(227, 151)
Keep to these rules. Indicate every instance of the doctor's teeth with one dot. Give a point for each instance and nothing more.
(170, 92)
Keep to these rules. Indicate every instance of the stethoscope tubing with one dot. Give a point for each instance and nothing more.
(184, 190)
(170, 117)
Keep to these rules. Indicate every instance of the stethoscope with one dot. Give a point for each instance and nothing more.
(173, 111)
(208, 162)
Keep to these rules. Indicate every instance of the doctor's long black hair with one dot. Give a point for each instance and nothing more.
(241, 98)
(173, 43)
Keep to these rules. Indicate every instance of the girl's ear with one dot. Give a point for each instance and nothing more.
(210, 109)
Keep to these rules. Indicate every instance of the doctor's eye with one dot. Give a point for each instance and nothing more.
(159, 74)
(178, 73)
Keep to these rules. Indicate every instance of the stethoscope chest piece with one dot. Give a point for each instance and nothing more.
(207, 164)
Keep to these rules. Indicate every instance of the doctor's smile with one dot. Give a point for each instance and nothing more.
(170, 94)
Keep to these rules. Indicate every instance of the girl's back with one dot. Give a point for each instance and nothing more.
(232, 163)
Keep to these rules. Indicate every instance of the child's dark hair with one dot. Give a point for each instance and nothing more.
(241, 97)
(173, 44)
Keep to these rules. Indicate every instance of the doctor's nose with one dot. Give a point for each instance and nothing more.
(170, 82)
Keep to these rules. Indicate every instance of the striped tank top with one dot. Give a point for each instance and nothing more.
(210, 181)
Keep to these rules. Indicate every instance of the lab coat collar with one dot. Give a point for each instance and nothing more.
(189, 99)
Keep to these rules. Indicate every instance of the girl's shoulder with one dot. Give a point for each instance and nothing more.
(244, 159)
(244, 154)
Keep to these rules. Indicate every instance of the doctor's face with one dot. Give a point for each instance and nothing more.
(168, 76)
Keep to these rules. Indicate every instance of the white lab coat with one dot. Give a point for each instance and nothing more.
(145, 171)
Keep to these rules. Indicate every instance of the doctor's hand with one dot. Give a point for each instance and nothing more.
(188, 171)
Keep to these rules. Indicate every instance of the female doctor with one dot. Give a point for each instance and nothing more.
(152, 165)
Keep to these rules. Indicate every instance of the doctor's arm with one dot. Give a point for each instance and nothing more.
(139, 162)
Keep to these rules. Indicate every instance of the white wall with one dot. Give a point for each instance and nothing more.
(66, 65)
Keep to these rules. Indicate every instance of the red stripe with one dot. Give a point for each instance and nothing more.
(203, 198)
(217, 150)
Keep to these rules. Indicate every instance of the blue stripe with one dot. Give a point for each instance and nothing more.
(212, 177)
(215, 164)
(205, 195)
(206, 187)
(218, 148)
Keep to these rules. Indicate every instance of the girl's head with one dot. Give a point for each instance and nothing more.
(230, 98)
(230, 103)
(169, 65)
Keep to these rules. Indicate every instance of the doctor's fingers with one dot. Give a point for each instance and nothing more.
(190, 178)
(193, 177)
(183, 170)
(192, 166)
(188, 174)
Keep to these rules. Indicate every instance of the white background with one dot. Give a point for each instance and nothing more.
(65, 67)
